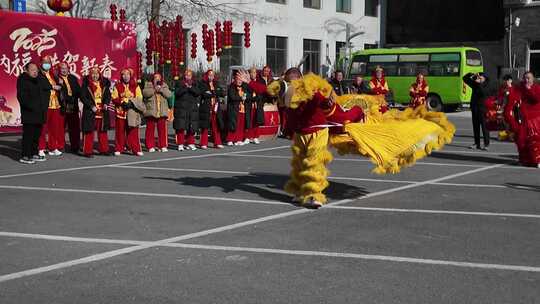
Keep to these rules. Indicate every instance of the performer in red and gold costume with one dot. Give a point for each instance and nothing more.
(418, 92)
(52, 135)
(95, 97)
(507, 93)
(523, 114)
(256, 111)
(127, 98)
(379, 86)
(69, 97)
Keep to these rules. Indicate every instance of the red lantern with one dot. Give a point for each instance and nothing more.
(210, 45)
(228, 34)
(113, 12)
(139, 66)
(247, 38)
(149, 58)
(160, 50)
(122, 15)
(193, 45)
(219, 39)
(205, 36)
(60, 6)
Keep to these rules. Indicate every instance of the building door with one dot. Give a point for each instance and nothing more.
(312, 52)
(534, 58)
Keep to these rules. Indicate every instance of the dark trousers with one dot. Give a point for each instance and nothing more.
(479, 122)
(30, 139)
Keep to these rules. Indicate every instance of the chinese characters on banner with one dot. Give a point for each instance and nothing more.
(81, 43)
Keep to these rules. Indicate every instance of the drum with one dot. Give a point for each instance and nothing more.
(270, 130)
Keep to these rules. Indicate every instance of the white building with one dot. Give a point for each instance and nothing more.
(283, 32)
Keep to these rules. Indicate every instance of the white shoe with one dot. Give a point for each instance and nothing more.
(312, 204)
(140, 154)
(41, 153)
(239, 143)
(117, 153)
(256, 141)
(180, 148)
(247, 141)
(538, 166)
(164, 150)
(51, 153)
(220, 147)
(192, 147)
(151, 150)
(230, 143)
(204, 147)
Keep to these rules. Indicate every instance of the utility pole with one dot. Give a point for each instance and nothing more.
(348, 46)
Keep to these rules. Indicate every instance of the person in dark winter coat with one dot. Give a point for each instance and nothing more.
(479, 85)
(359, 86)
(210, 115)
(96, 98)
(186, 111)
(256, 117)
(239, 96)
(338, 85)
(33, 93)
(69, 101)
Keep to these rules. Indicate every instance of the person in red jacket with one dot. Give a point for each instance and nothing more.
(256, 112)
(379, 86)
(418, 92)
(507, 92)
(530, 111)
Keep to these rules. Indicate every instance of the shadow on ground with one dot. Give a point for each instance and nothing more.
(267, 186)
(499, 159)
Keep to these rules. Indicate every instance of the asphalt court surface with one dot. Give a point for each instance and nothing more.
(215, 226)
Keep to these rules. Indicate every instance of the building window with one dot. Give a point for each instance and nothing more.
(340, 45)
(312, 52)
(232, 56)
(277, 1)
(534, 58)
(276, 53)
(312, 4)
(372, 8)
(343, 6)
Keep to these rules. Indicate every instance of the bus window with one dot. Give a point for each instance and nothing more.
(383, 58)
(407, 69)
(474, 58)
(358, 66)
(444, 69)
(449, 57)
(414, 58)
(390, 69)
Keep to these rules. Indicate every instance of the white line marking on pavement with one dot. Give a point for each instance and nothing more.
(118, 252)
(502, 154)
(138, 162)
(204, 198)
(399, 210)
(363, 257)
(417, 184)
(274, 251)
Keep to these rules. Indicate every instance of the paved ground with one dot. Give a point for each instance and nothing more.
(215, 227)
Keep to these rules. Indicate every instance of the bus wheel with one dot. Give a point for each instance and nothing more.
(434, 103)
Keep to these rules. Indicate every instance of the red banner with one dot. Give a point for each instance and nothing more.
(82, 43)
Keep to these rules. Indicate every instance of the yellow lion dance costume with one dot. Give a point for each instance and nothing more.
(392, 140)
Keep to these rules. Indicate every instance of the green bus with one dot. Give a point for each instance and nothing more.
(444, 69)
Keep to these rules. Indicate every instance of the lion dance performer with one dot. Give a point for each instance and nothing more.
(353, 124)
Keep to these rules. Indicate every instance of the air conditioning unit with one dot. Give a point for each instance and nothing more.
(516, 2)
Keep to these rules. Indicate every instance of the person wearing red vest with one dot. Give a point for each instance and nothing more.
(156, 93)
(127, 98)
(379, 86)
(52, 135)
(96, 98)
(69, 97)
(418, 92)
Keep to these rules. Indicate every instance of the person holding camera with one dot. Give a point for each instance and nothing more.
(156, 94)
(479, 84)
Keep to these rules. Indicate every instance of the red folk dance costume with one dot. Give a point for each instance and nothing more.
(73, 122)
(93, 96)
(53, 134)
(236, 113)
(125, 134)
(379, 86)
(210, 116)
(523, 115)
(418, 93)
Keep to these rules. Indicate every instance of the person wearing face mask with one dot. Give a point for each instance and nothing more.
(186, 111)
(530, 121)
(480, 91)
(127, 98)
(96, 98)
(52, 135)
(239, 95)
(33, 93)
(69, 98)
(209, 111)
(156, 93)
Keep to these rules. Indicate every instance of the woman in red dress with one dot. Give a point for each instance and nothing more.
(418, 92)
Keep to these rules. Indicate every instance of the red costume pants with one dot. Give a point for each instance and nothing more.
(253, 132)
(103, 140)
(238, 134)
(216, 133)
(150, 139)
(127, 136)
(185, 139)
(52, 135)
